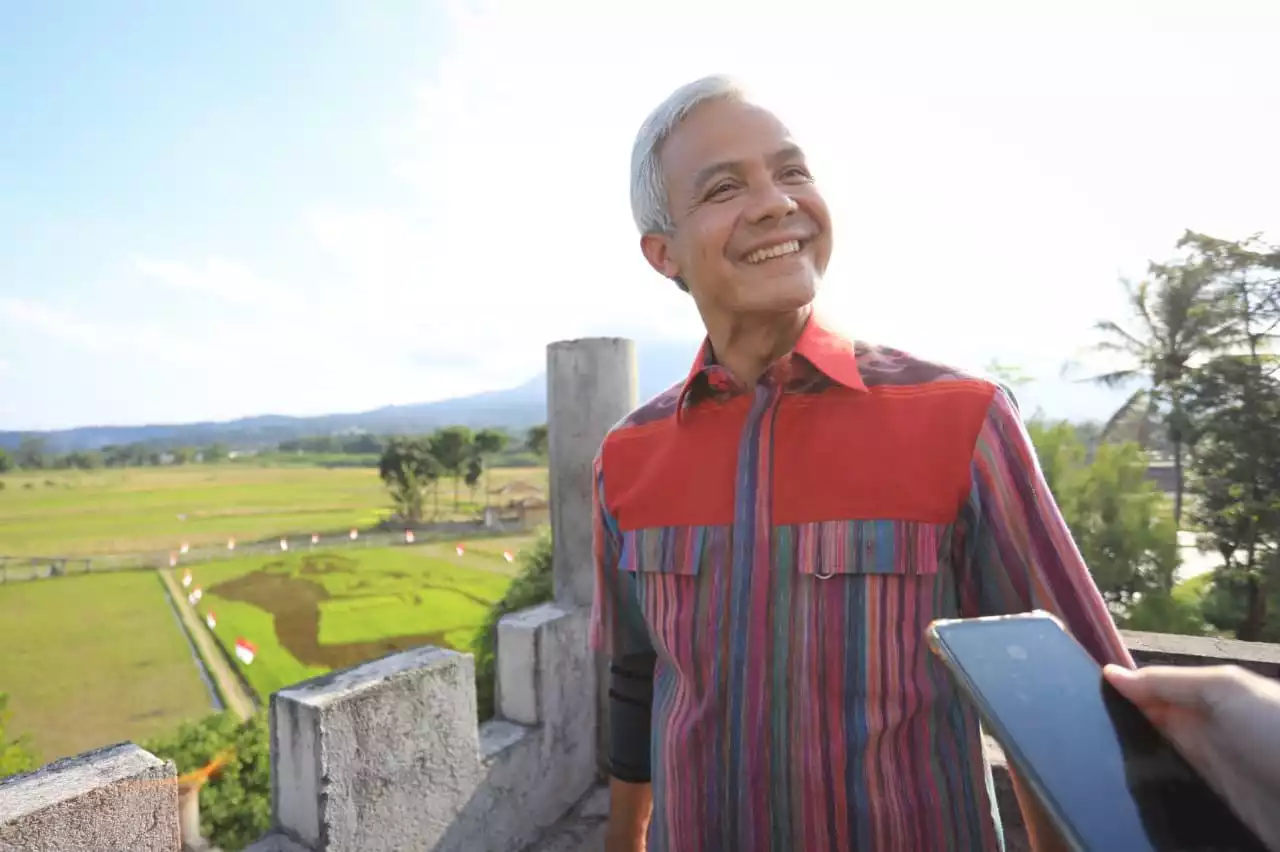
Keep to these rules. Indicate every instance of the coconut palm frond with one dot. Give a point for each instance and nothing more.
(1140, 400)
(1116, 378)
(1135, 345)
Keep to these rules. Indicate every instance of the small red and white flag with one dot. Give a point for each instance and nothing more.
(460, 550)
(314, 538)
(185, 547)
(231, 544)
(507, 555)
(245, 650)
(284, 544)
(355, 534)
(194, 597)
(186, 578)
(173, 559)
(408, 536)
(210, 619)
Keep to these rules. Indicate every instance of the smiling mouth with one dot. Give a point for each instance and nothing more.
(780, 250)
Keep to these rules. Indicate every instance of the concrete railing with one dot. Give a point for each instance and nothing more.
(114, 799)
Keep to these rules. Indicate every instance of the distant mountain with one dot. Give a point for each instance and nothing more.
(660, 365)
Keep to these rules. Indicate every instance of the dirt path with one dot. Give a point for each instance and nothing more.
(234, 695)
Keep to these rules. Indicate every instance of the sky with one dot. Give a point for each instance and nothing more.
(218, 209)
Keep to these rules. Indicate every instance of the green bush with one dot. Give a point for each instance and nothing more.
(532, 586)
(16, 754)
(235, 804)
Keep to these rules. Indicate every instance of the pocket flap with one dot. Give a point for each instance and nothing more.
(826, 548)
(673, 550)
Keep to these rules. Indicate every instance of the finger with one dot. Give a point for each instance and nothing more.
(1190, 687)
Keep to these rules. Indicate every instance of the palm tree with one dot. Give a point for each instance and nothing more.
(1179, 320)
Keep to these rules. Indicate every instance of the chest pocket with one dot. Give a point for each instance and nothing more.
(890, 577)
(671, 567)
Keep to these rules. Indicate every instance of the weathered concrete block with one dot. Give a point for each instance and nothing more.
(520, 660)
(382, 756)
(115, 799)
(276, 843)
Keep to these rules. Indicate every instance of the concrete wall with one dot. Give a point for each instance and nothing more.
(115, 799)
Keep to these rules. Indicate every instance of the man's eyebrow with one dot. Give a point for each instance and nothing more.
(782, 155)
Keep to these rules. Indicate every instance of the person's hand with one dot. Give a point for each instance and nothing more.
(1226, 722)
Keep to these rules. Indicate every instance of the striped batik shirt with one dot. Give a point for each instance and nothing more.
(778, 551)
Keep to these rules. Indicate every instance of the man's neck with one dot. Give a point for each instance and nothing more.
(746, 346)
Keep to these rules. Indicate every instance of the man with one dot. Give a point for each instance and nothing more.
(775, 533)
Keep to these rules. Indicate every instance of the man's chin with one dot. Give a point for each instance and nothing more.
(782, 299)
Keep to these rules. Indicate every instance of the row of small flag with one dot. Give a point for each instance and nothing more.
(315, 539)
(245, 650)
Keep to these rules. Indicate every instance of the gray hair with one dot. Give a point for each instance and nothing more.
(648, 191)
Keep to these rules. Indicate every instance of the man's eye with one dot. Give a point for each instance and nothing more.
(720, 189)
(796, 172)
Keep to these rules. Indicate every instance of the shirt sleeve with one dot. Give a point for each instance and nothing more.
(618, 630)
(617, 623)
(1018, 554)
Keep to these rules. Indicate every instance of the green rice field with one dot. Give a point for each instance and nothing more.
(310, 612)
(96, 659)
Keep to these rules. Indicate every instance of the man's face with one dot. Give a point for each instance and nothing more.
(752, 233)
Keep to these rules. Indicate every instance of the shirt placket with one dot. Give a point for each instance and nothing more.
(752, 570)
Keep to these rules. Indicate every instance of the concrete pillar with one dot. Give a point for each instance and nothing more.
(591, 385)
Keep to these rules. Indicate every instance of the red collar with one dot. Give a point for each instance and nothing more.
(827, 350)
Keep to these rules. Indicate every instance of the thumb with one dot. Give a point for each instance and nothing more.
(1191, 687)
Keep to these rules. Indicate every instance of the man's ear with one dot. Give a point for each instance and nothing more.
(656, 249)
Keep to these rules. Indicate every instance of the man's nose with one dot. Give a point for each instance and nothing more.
(771, 201)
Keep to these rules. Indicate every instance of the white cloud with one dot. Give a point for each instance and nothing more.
(216, 278)
(51, 322)
(101, 337)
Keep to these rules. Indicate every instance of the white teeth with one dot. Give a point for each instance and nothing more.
(790, 247)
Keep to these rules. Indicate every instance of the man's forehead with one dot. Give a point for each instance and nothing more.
(724, 133)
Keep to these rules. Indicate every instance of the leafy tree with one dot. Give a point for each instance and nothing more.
(408, 467)
(452, 448)
(1235, 406)
(536, 440)
(1178, 320)
(235, 804)
(31, 454)
(532, 586)
(486, 443)
(6, 462)
(16, 753)
(1233, 403)
(475, 469)
(81, 460)
(1117, 516)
